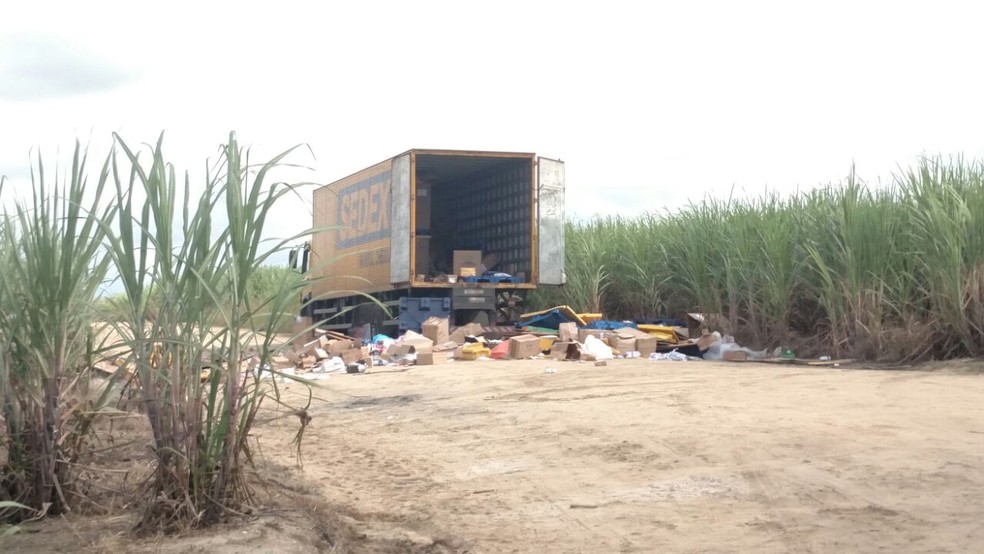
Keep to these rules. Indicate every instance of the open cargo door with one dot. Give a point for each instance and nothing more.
(550, 221)
(400, 220)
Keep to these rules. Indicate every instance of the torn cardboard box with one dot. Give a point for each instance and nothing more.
(469, 330)
(418, 341)
(565, 351)
(436, 329)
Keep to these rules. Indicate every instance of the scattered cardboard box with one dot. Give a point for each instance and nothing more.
(569, 350)
(355, 355)
(320, 354)
(398, 350)
(336, 347)
(418, 341)
(524, 346)
(623, 342)
(629, 331)
(567, 331)
(470, 329)
(646, 346)
(445, 347)
(432, 358)
(597, 333)
(734, 355)
(467, 262)
(436, 329)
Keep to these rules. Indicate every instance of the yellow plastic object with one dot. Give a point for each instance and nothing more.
(588, 318)
(661, 332)
(474, 351)
(546, 343)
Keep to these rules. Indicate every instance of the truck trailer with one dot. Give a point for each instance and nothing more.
(451, 233)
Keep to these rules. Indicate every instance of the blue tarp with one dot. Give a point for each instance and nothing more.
(606, 325)
(550, 319)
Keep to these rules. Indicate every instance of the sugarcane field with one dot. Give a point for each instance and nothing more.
(510, 278)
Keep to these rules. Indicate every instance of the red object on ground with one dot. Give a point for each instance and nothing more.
(501, 351)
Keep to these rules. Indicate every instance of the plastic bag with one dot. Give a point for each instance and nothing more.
(600, 350)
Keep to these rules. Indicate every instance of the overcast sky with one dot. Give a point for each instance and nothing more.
(651, 105)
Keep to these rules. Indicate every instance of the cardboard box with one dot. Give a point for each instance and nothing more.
(354, 355)
(567, 331)
(320, 354)
(565, 351)
(646, 346)
(734, 355)
(422, 259)
(432, 358)
(597, 333)
(398, 350)
(467, 262)
(622, 342)
(524, 346)
(418, 341)
(336, 347)
(470, 329)
(633, 332)
(436, 329)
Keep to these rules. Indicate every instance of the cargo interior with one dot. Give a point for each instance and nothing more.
(473, 203)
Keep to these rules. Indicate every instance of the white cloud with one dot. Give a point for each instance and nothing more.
(651, 105)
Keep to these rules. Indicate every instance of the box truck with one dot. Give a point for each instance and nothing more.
(461, 234)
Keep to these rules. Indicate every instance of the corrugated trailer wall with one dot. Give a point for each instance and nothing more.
(354, 254)
(494, 211)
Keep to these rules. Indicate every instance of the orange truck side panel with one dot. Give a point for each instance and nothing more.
(351, 251)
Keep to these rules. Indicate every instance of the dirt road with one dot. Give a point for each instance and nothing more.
(647, 456)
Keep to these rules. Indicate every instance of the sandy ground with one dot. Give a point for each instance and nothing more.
(645, 456)
(638, 456)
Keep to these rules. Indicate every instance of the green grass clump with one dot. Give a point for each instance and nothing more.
(889, 273)
(197, 318)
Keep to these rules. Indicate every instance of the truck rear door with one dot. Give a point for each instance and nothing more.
(400, 214)
(550, 221)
